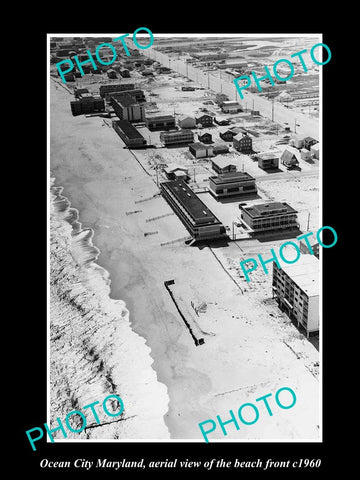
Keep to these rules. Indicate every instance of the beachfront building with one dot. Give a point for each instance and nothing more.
(127, 108)
(161, 122)
(87, 103)
(222, 165)
(105, 90)
(200, 222)
(129, 134)
(232, 184)
(199, 150)
(296, 288)
(176, 137)
(266, 217)
(267, 160)
(242, 143)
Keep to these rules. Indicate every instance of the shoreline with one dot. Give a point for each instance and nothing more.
(81, 304)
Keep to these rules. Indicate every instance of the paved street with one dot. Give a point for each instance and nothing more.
(305, 125)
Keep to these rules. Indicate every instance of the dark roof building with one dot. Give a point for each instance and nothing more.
(129, 134)
(204, 120)
(194, 214)
(205, 137)
(232, 184)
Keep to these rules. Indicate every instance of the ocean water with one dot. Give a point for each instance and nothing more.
(93, 350)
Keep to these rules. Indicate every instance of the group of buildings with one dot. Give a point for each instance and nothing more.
(295, 289)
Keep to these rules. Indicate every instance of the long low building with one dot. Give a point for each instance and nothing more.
(232, 184)
(177, 137)
(129, 134)
(160, 122)
(296, 288)
(105, 90)
(194, 214)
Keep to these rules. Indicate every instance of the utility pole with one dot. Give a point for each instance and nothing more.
(272, 109)
(308, 222)
(194, 176)
(295, 126)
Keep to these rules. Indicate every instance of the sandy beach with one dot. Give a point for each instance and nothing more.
(251, 349)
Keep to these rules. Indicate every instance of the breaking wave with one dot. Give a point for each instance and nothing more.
(93, 350)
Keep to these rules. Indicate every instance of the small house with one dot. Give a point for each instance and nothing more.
(288, 158)
(268, 161)
(314, 150)
(305, 154)
(222, 165)
(199, 150)
(184, 121)
(309, 142)
(205, 120)
(242, 143)
(205, 137)
(220, 148)
(227, 136)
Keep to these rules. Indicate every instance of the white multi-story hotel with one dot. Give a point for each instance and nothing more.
(296, 289)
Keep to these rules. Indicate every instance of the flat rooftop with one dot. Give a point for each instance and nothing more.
(231, 177)
(305, 273)
(268, 209)
(125, 100)
(191, 202)
(129, 129)
(160, 118)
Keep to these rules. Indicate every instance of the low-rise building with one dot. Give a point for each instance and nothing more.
(105, 90)
(222, 165)
(220, 148)
(205, 120)
(205, 137)
(227, 135)
(200, 222)
(289, 158)
(242, 143)
(314, 245)
(200, 150)
(305, 154)
(267, 160)
(175, 172)
(265, 217)
(111, 73)
(161, 122)
(230, 106)
(296, 288)
(232, 184)
(177, 137)
(315, 150)
(129, 134)
(296, 141)
(184, 121)
(309, 142)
